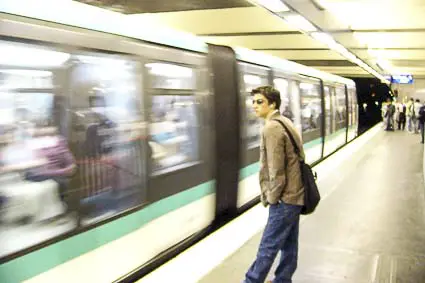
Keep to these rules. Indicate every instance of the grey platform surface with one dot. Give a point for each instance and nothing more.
(371, 228)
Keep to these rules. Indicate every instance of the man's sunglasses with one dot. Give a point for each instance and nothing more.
(258, 101)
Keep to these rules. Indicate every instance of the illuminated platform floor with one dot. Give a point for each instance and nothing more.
(370, 226)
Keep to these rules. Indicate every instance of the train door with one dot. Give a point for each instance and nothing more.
(330, 118)
(328, 111)
(251, 77)
(311, 118)
(336, 131)
(352, 130)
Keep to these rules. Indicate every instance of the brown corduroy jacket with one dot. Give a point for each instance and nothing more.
(280, 174)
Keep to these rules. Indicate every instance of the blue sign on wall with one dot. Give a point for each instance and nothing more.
(402, 79)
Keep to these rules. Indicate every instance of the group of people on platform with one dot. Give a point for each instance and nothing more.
(411, 113)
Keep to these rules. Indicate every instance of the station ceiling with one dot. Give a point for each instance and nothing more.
(387, 35)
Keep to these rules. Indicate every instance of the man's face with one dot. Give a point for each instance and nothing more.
(261, 106)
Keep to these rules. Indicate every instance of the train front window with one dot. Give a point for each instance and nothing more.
(173, 124)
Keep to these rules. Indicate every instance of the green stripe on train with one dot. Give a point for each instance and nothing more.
(249, 170)
(42, 260)
(336, 134)
(313, 143)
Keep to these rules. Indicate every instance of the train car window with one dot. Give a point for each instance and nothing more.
(286, 100)
(350, 108)
(173, 131)
(174, 126)
(341, 108)
(253, 126)
(35, 160)
(311, 110)
(107, 134)
(352, 104)
(334, 108)
(328, 111)
(355, 106)
(294, 87)
(170, 76)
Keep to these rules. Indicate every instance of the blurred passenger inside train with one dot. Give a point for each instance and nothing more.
(35, 165)
(281, 189)
(288, 113)
(59, 162)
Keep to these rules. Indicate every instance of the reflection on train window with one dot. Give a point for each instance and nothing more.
(282, 86)
(353, 105)
(36, 163)
(254, 125)
(173, 131)
(341, 108)
(328, 110)
(350, 108)
(171, 76)
(311, 110)
(107, 135)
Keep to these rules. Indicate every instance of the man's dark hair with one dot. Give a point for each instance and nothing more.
(269, 92)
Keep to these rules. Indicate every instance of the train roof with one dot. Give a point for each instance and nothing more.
(81, 15)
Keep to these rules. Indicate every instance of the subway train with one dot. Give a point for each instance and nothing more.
(117, 151)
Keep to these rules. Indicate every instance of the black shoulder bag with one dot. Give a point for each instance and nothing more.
(311, 192)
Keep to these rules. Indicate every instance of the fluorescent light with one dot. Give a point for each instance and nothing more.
(328, 40)
(276, 6)
(331, 43)
(323, 37)
(341, 49)
(300, 22)
(28, 56)
(374, 52)
(350, 56)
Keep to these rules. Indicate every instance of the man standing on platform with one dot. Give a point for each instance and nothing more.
(281, 189)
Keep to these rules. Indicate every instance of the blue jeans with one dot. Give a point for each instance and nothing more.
(280, 234)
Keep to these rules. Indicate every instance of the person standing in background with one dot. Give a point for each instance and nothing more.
(401, 116)
(416, 106)
(410, 112)
(389, 115)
